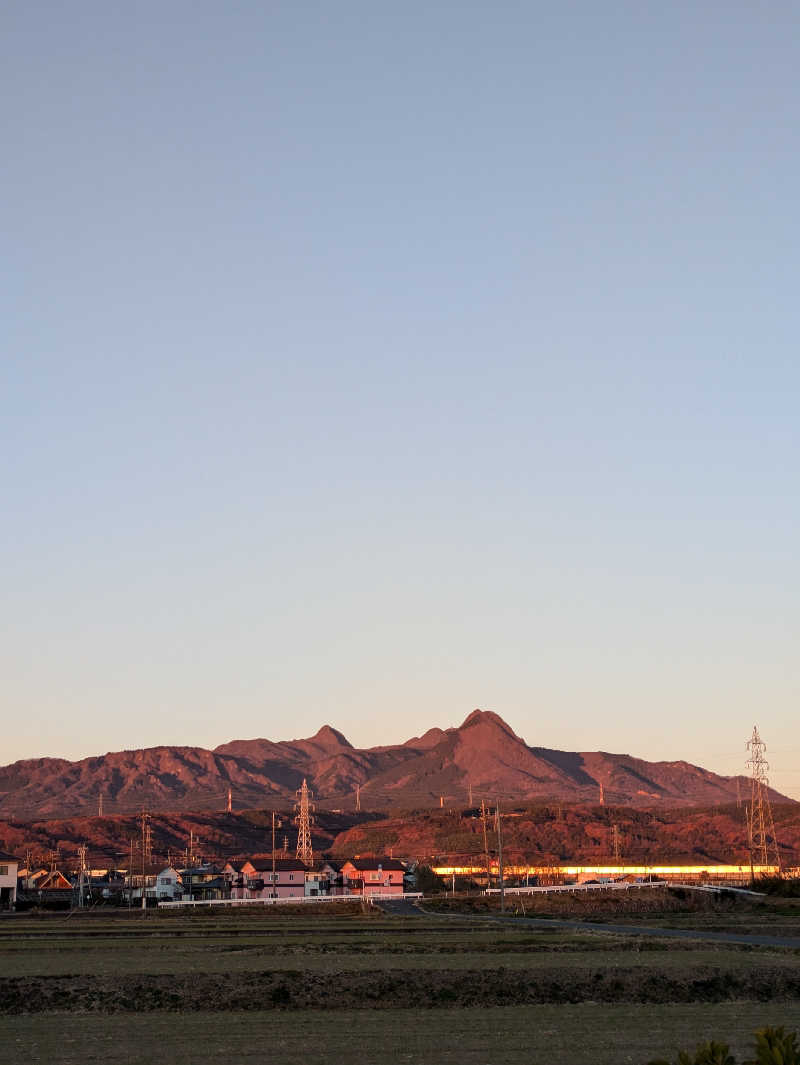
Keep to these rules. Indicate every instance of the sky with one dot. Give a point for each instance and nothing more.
(365, 365)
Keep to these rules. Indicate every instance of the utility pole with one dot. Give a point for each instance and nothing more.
(500, 858)
(273, 889)
(615, 838)
(230, 801)
(602, 796)
(358, 797)
(762, 826)
(147, 853)
(484, 820)
(441, 801)
(100, 805)
(470, 796)
(738, 795)
(303, 820)
(130, 876)
(147, 848)
(82, 875)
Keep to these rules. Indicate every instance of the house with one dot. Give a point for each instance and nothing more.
(256, 879)
(169, 885)
(8, 881)
(137, 885)
(373, 876)
(324, 877)
(54, 889)
(204, 883)
(29, 878)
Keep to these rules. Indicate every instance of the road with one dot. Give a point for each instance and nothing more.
(403, 908)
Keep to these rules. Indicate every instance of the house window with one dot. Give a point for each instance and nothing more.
(291, 876)
(3, 870)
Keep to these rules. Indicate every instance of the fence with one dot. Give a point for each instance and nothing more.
(301, 900)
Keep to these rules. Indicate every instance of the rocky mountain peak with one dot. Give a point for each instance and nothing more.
(331, 737)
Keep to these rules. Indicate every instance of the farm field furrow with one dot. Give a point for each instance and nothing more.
(584, 1034)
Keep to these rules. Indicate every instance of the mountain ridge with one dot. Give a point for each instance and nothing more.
(481, 757)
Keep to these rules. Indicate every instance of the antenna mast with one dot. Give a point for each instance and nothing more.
(761, 827)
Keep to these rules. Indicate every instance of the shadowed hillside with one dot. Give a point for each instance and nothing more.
(483, 754)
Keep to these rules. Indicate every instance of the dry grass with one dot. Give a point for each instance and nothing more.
(583, 1034)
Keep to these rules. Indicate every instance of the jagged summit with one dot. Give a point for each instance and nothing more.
(487, 719)
(483, 757)
(331, 737)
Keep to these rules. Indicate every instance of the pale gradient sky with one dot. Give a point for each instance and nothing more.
(366, 366)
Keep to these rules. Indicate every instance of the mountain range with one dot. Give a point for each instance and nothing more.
(481, 758)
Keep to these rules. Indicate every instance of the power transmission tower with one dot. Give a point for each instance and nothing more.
(602, 796)
(100, 805)
(761, 827)
(303, 821)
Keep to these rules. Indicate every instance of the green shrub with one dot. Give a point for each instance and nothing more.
(773, 1046)
(710, 1053)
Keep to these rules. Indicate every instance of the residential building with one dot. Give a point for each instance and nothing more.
(255, 879)
(169, 885)
(373, 876)
(204, 883)
(8, 881)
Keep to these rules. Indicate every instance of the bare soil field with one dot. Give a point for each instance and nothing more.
(585, 1034)
(416, 989)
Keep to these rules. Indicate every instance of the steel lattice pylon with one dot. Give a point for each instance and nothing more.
(760, 825)
(303, 821)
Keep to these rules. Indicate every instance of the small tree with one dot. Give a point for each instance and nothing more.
(428, 882)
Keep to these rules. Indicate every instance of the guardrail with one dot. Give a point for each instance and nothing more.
(614, 886)
(302, 900)
(574, 888)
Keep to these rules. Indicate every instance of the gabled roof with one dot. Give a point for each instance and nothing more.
(390, 865)
(54, 881)
(8, 858)
(282, 865)
(321, 864)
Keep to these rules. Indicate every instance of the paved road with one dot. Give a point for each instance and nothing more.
(402, 908)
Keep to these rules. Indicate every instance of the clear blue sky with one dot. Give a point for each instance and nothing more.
(366, 366)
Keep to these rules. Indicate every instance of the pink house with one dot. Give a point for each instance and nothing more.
(252, 879)
(373, 876)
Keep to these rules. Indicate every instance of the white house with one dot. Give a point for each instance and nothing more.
(8, 881)
(168, 884)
